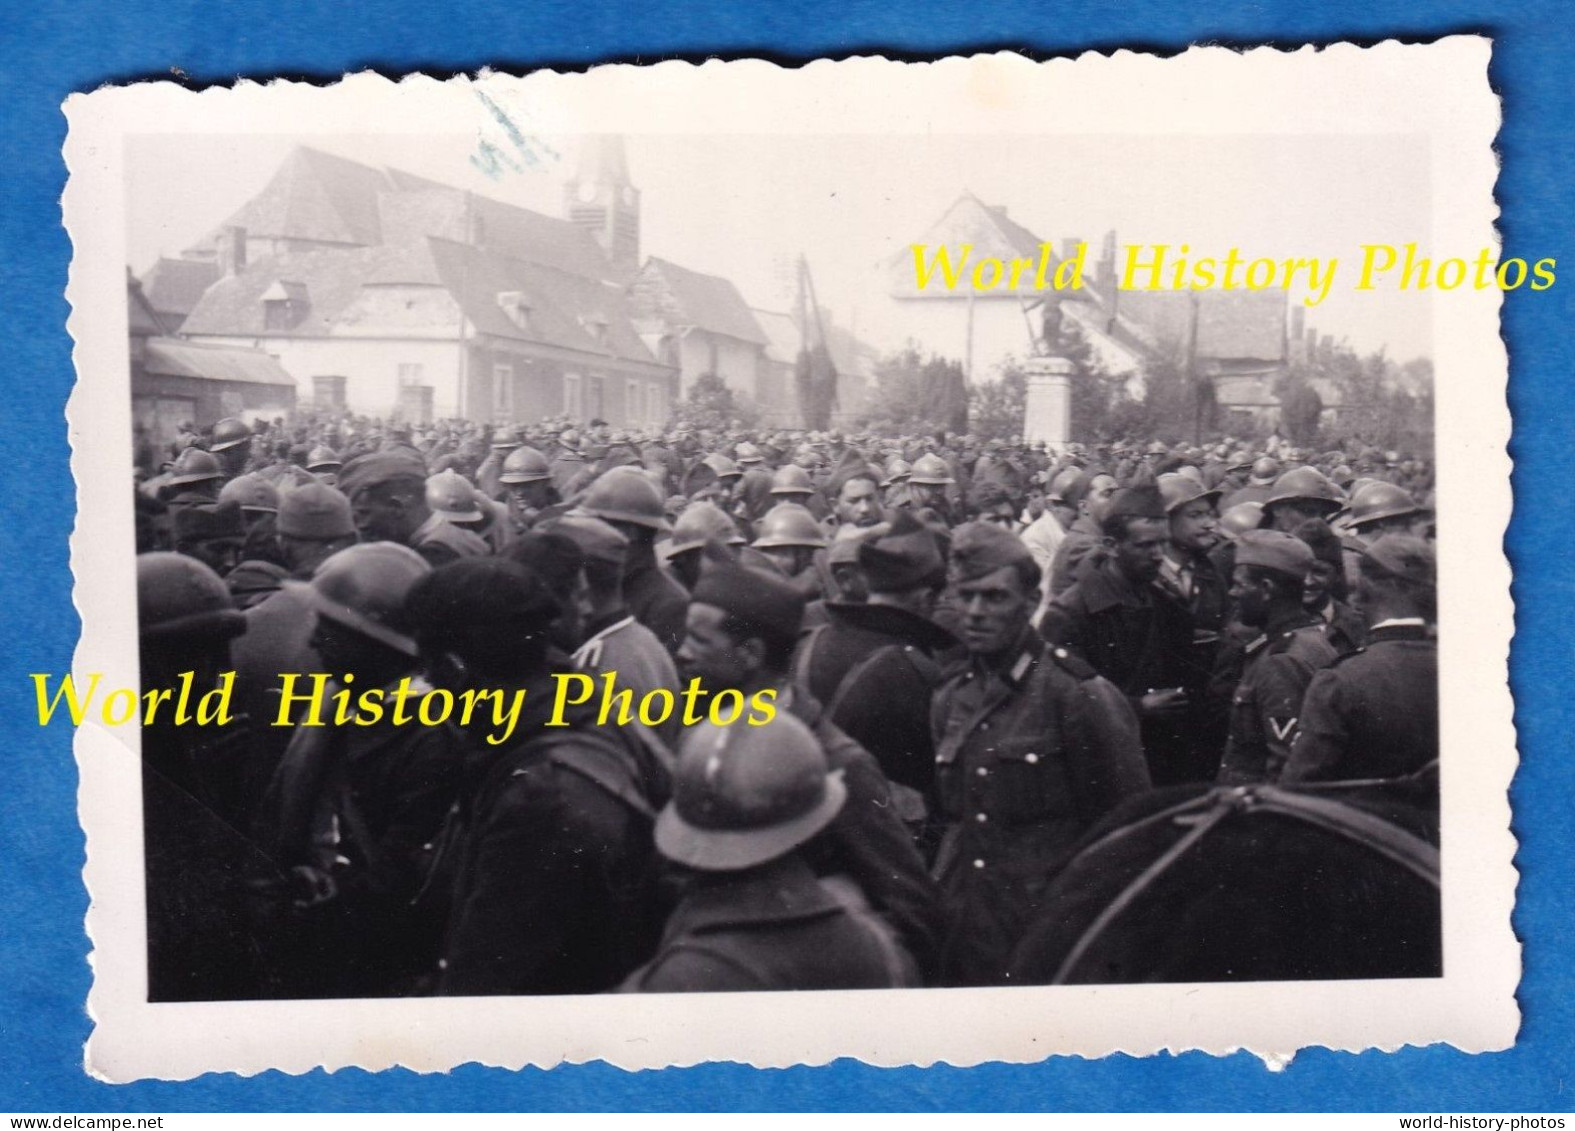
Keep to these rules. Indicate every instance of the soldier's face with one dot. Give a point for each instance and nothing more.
(858, 503)
(709, 652)
(1251, 593)
(380, 515)
(1143, 549)
(995, 608)
(1194, 527)
(1099, 495)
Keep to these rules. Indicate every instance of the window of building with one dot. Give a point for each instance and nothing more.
(655, 404)
(573, 397)
(503, 391)
(415, 403)
(633, 409)
(597, 408)
(409, 373)
(328, 392)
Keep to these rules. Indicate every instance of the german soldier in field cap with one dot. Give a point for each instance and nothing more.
(1268, 585)
(1032, 746)
(388, 498)
(753, 916)
(740, 634)
(1374, 713)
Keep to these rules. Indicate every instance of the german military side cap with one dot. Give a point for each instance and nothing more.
(906, 557)
(1276, 550)
(980, 548)
(1402, 556)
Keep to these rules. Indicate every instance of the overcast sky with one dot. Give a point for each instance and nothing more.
(744, 206)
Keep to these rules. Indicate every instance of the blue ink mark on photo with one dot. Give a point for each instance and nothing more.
(522, 151)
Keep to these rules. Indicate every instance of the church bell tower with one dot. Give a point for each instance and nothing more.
(601, 199)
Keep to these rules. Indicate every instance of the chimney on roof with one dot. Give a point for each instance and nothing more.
(232, 251)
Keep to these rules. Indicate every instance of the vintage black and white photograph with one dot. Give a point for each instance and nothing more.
(561, 557)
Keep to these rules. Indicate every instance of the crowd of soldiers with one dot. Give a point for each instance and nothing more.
(978, 651)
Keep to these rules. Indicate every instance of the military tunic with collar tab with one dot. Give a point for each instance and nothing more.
(1027, 759)
(1266, 710)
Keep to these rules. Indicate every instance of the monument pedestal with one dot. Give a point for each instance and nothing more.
(1047, 411)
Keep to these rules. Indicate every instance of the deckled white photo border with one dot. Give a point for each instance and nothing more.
(1438, 90)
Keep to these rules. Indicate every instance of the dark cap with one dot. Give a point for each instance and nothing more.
(980, 548)
(552, 556)
(752, 595)
(478, 599)
(597, 540)
(376, 468)
(1402, 557)
(1137, 502)
(1275, 550)
(199, 524)
(906, 557)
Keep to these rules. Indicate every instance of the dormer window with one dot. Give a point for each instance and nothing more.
(517, 306)
(284, 305)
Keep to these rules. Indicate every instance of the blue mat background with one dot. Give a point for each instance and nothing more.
(52, 49)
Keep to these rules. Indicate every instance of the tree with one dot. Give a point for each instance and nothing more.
(919, 394)
(1301, 411)
(710, 403)
(995, 408)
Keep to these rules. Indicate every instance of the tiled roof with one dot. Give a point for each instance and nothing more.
(330, 278)
(708, 302)
(175, 358)
(141, 319)
(173, 286)
(319, 197)
(564, 308)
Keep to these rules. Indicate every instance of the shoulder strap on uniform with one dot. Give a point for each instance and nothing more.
(599, 765)
(1073, 664)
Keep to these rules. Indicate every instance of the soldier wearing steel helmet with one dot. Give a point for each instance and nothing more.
(197, 786)
(193, 480)
(1260, 482)
(231, 446)
(740, 632)
(753, 915)
(795, 544)
(1300, 494)
(700, 523)
(526, 481)
(351, 807)
(626, 498)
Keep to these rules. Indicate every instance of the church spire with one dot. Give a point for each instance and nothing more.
(601, 198)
